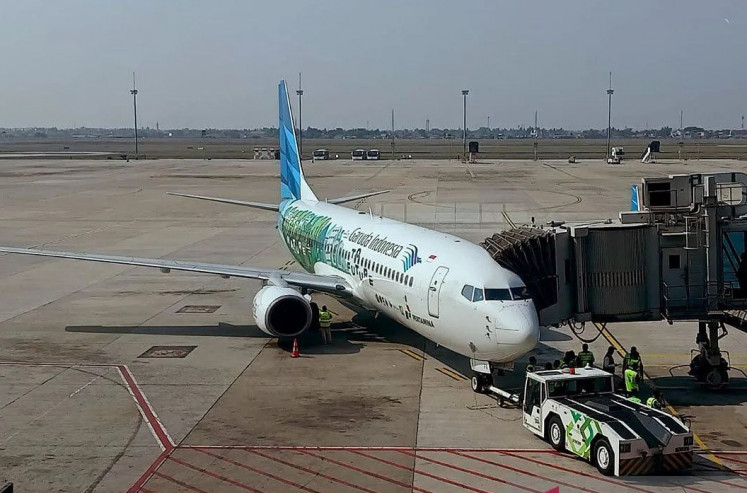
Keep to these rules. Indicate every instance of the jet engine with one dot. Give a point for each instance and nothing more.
(281, 311)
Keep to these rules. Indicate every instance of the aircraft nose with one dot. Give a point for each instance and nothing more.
(522, 324)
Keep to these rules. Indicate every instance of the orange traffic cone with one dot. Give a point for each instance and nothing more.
(295, 353)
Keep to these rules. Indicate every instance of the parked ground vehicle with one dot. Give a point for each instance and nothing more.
(579, 412)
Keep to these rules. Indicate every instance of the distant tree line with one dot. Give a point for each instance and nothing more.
(364, 133)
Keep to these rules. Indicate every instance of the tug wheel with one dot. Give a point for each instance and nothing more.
(556, 434)
(604, 457)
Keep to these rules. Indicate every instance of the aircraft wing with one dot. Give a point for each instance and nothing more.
(256, 205)
(350, 198)
(329, 284)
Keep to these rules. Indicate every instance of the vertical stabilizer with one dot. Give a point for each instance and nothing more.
(635, 198)
(292, 182)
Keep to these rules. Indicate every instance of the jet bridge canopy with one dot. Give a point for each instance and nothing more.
(680, 254)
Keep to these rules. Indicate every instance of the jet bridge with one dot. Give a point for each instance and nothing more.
(679, 254)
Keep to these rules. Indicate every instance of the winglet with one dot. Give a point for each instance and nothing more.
(292, 182)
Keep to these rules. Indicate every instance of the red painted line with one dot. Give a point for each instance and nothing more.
(390, 463)
(732, 459)
(214, 475)
(475, 473)
(423, 473)
(424, 449)
(516, 469)
(180, 483)
(145, 408)
(259, 471)
(138, 485)
(362, 471)
(580, 473)
(741, 487)
(311, 471)
(145, 490)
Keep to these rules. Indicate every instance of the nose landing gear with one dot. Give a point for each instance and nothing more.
(482, 381)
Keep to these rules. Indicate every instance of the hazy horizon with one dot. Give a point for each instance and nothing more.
(217, 65)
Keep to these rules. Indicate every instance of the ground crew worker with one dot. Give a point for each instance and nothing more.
(632, 379)
(585, 357)
(325, 322)
(568, 360)
(556, 364)
(532, 366)
(608, 363)
(655, 400)
(548, 366)
(633, 358)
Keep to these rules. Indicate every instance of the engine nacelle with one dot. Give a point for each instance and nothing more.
(281, 312)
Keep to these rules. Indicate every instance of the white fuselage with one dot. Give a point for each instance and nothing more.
(417, 277)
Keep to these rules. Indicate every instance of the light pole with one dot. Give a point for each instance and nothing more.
(464, 127)
(300, 127)
(133, 91)
(609, 116)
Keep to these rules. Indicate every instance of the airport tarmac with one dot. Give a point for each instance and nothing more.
(114, 378)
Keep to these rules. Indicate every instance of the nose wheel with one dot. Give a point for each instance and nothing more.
(481, 382)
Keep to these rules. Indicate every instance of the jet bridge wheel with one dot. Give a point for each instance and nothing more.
(716, 379)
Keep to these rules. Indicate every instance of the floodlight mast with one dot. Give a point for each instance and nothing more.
(133, 91)
(464, 127)
(610, 91)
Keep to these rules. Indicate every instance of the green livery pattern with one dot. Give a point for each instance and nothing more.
(311, 238)
(588, 428)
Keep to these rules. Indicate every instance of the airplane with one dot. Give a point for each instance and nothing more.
(443, 287)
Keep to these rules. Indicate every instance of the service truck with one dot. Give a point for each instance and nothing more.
(577, 410)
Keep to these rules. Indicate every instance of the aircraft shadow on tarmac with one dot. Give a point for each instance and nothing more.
(219, 330)
(348, 338)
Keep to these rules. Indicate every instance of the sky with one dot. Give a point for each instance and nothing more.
(216, 64)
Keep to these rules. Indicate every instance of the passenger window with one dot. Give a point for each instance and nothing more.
(467, 292)
(411, 282)
(406, 279)
(477, 296)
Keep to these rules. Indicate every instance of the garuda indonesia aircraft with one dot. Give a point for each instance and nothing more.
(443, 287)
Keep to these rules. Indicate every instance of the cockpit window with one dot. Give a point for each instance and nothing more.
(467, 292)
(520, 293)
(477, 295)
(493, 294)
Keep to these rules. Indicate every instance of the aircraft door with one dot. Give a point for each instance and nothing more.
(434, 290)
(674, 277)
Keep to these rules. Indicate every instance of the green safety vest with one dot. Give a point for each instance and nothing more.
(563, 365)
(630, 361)
(631, 377)
(634, 399)
(586, 357)
(325, 320)
(653, 402)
